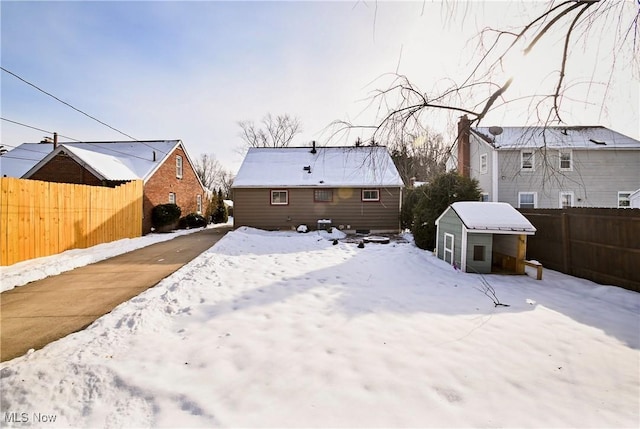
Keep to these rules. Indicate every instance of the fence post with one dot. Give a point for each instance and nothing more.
(566, 243)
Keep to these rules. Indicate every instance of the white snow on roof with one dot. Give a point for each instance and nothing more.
(108, 167)
(576, 137)
(18, 161)
(328, 167)
(488, 216)
(111, 160)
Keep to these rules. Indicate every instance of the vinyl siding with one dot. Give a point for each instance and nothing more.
(595, 180)
(485, 240)
(450, 223)
(252, 207)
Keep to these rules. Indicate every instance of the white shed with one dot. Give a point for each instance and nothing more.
(483, 237)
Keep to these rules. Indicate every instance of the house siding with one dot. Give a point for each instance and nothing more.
(595, 180)
(477, 149)
(164, 181)
(450, 223)
(252, 207)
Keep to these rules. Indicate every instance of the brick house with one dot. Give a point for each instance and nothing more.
(164, 166)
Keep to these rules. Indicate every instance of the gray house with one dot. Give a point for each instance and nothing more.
(483, 237)
(549, 167)
(356, 189)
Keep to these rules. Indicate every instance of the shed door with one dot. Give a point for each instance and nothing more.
(448, 247)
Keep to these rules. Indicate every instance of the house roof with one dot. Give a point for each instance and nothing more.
(491, 217)
(16, 162)
(576, 137)
(328, 167)
(109, 160)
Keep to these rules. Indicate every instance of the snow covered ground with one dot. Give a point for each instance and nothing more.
(274, 329)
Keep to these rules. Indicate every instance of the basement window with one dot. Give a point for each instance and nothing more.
(172, 198)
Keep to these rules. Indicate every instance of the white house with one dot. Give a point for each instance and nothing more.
(549, 167)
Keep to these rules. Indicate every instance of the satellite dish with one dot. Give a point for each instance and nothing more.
(496, 131)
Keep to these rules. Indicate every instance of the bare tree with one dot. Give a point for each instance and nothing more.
(273, 132)
(418, 156)
(581, 24)
(210, 171)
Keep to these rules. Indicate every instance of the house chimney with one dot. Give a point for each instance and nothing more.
(55, 141)
(464, 147)
(313, 150)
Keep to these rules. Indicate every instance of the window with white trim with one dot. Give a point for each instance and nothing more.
(178, 166)
(566, 160)
(199, 203)
(566, 199)
(483, 164)
(323, 195)
(527, 160)
(279, 197)
(624, 202)
(370, 195)
(172, 198)
(527, 200)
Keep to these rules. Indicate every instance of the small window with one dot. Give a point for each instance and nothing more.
(199, 203)
(172, 198)
(624, 202)
(279, 198)
(179, 167)
(484, 197)
(370, 195)
(527, 200)
(483, 164)
(323, 195)
(566, 199)
(478, 253)
(527, 160)
(566, 162)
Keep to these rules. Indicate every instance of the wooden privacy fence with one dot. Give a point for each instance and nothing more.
(602, 245)
(44, 218)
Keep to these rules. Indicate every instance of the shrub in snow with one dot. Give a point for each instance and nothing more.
(302, 228)
(165, 214)
(434, 199)
(193, 220)
(220, 214)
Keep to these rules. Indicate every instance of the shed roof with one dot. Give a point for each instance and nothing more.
(326, 167)
(565, 137)
(492, 217)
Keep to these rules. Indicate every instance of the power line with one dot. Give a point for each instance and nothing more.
(38, 129)
(65, 103)
(79, 141)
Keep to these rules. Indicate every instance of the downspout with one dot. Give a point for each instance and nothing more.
(495, 173)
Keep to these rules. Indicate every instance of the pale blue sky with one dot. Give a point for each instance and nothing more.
(191, 70)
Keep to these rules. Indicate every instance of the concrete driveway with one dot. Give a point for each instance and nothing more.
(43, 311)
